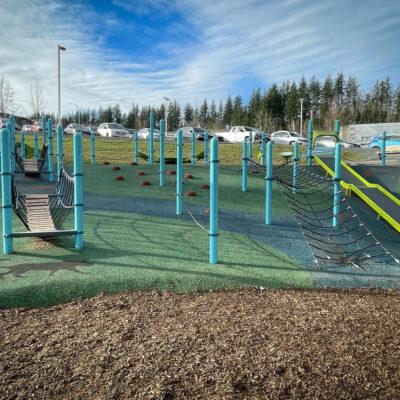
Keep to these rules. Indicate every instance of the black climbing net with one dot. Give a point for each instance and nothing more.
(311, 200)
(60, 202)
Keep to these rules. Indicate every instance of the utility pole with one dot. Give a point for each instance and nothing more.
(301, 116)
(59, 50)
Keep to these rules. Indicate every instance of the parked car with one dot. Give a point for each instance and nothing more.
(27, 128)
(238, 134)
(112, 129)
(72, 128)
(287, 138)
(392, 144)
(329, 141)
(145, 132)
(200, 133)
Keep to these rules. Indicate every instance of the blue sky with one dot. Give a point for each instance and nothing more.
(142, 50)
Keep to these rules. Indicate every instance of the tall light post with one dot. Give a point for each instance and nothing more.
(59, 50)
(301, 116)
(78, 110)
(166, 114)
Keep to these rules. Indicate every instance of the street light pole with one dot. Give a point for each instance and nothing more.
(78, 110)
(59, 50)
(166, 114)
(301, 116)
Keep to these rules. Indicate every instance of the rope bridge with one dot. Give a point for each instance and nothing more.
(310, 197)
(30, 166)
(44, 214)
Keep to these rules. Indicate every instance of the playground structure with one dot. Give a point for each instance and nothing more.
(41, 214)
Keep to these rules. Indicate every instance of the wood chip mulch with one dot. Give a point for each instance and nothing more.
(245, 344)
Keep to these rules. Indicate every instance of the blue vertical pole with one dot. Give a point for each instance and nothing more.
(206, 148)
(43, 130)
(337, 127)
(60, 149)
(162, 153)
(78, 190)
(268, 185)
(244, 166)
(151, 139)
(336, 184)
(193, 148)
(136, 147)
(12, 120)
(213, 232)
(6, 203)
(93, 145)
(35, 145)
(383, 150)
(50, 149)
(310, 143)
(23, 148)
(250, 143)
(262, 148)
(179, 174)
(295, 164)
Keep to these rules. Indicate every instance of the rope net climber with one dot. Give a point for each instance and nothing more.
(45, 212)
(311, 200)
(31, 165)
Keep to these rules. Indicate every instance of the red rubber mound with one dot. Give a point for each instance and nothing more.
(116, 168)
(171, 172)
(106, 163)
(119, 178)
(140, 173)
(146, 183)
(189, 176)
(133, 163)
(205, 186)
(190, 194)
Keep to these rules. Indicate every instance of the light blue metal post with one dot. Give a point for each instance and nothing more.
(206, 148)
(337, 127)
(78, 190)
(179, 173)
(35, 145)
(23, 148)
(60, 149)
(268, 185)
(162, 153)
(6, 204)
(13, 146)
(136, 147)
(310, 143)
(213, 232)
(151, 139)
(295, 164)
(93, 145)
(50, 149)
(383, 151)
(43, 130)
(262, 148)
(336, 184)
(193, 148)
(250, 143)
(245, 159)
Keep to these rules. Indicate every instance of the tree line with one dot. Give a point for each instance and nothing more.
(273, 108)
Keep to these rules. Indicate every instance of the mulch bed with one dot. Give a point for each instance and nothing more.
(247, 344)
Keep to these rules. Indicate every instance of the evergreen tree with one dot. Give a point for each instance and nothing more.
(292, 105)
(274, 107)
(188, 114)
(397, 104)
(254, 108)
(204, 113)
(340, 84)
(315, 96)
(213, 115)
(238, 117)
(220, 117)
(228, 112)
(174, 115)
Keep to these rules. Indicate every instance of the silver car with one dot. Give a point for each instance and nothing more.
(287, 138)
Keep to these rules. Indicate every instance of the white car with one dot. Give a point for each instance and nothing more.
(27, 128)
(238, 134)
(145, 132)
(112, 129)
(287, 138)
(72, 128)
(200, 133)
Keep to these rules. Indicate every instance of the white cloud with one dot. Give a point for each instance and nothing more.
(261, 40)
